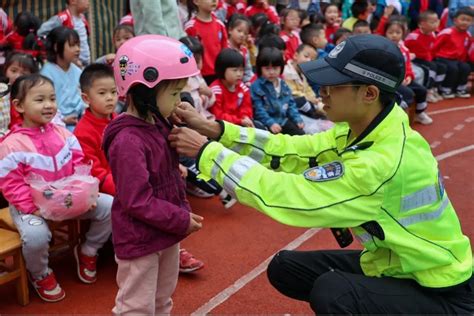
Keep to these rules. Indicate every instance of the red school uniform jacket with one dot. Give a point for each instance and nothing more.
(452, 44)
(270, 12)
(213, 36)
(421, 44)
(231, 106)
(66, 19)
(90, 131)
(292, 41)
(406, 55)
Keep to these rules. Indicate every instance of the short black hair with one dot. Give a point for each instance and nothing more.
(124, 27)
(271, 40)
(359, 7)
(56, 41)
(268, 28)
(258, 20)
(397, 20)
(23, 84)
(194, 45)
(228, 58)
(236, 19)
(464, 11)
(94, 72)
(361, 23)
(425, 15)
(340, 33)
(270, 56)
(309, 32)
(301, 47)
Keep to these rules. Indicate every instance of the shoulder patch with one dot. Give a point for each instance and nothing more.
(326, 172)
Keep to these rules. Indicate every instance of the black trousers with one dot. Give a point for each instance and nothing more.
(457, 73)
(436, 72)
(414, 92)
(333, 283)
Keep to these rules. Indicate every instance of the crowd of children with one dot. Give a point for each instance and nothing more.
(240, 63)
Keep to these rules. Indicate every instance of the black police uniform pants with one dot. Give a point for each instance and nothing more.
(333, 283)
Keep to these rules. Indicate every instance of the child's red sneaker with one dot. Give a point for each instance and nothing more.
(86, 266)
(187, 262)
(48, 288)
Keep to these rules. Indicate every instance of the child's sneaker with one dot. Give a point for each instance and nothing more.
(437, 95)
(423, 118)
(187, 262)
(463, 94)
(86, 266)
(48, 288)
(227, 200)
(197, 192)
(447, 95)
(431, 98)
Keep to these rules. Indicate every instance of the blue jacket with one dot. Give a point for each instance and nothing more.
(269, 108)
(313, 7)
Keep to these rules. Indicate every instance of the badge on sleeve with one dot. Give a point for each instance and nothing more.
(327, 172)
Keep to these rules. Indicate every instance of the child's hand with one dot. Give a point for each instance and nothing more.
(247, 122)
(109, 58)
(195, 223)
(407, 81)
(36, 213)
(275, 128)
(70, 120)
(205, 90)
(183, 170)
(300, 125)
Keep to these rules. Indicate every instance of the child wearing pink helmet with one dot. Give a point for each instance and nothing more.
(150, 213)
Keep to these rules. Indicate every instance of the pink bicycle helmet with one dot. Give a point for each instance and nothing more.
(150, 59)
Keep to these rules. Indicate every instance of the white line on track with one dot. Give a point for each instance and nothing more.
(448, 135)
(454, 152)
(459, 127)
(451, 109)
(247, 278)
(225, 294)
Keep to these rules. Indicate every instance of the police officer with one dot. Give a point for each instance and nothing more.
(371, 173)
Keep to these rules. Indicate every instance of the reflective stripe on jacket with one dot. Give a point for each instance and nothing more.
(387, 181)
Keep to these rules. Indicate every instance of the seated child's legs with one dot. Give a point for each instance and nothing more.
(463, 73)
(101, 226)
(147, 283)
(420, 96)
(450, 80)
(35, 234)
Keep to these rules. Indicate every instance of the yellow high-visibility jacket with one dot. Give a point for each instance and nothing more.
(386, 180)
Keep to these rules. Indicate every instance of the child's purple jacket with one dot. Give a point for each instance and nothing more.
(150, 211)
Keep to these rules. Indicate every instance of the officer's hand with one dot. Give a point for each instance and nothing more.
(186, 141)
(275, 128)
(188, 115)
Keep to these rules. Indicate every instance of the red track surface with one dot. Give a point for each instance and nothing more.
(232, 243)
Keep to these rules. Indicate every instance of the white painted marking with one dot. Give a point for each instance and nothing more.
(448, 135)
(247, 278)
(435, 144)
(459, 108)
(459, 127)
(469, 119)
(454, 152)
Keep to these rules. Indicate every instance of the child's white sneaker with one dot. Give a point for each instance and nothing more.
(423, 118)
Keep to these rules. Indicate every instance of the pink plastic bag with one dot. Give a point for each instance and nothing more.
(66, 198)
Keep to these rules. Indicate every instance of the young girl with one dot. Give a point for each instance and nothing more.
(150, 212)
(63, 50)
(16, 65)
(409, 89)
(331, 21)
(290, 23)
(273, 103)
(40, 147)
(121, 34)
(239, 26)
(233, 102)
(210, 30)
